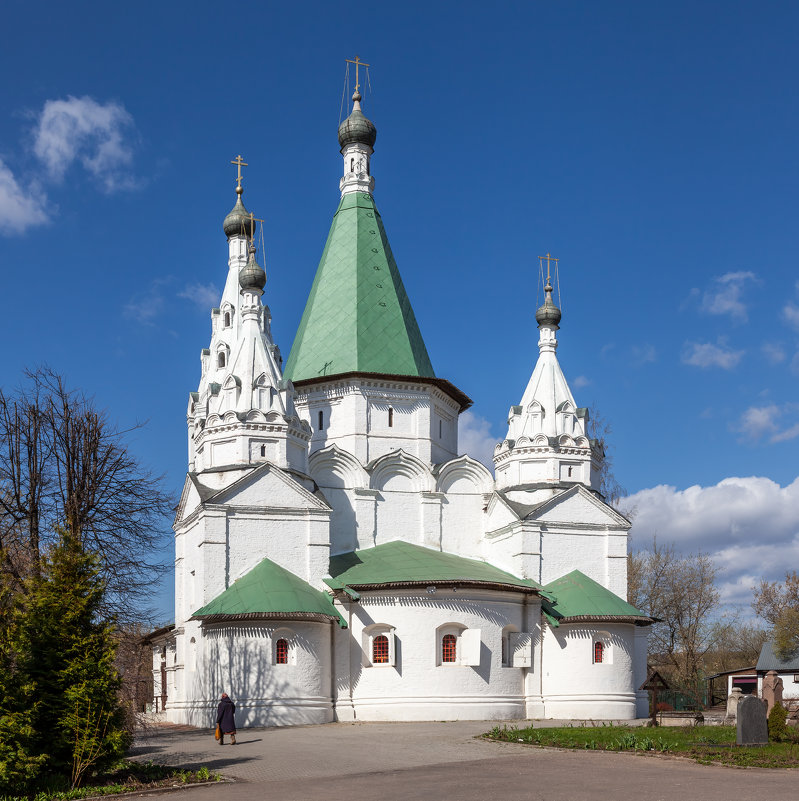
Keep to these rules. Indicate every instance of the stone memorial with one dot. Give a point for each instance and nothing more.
(733, 699)
(752, 728)
(772, 690)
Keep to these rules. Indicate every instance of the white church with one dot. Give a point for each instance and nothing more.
(337, 558)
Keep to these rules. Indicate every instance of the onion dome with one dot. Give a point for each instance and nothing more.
(549, 313)
(356, 128)
(238, 223)
(252, 277)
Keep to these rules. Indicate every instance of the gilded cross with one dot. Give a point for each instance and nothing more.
(549, 259)
(239, 161)
(358, 63)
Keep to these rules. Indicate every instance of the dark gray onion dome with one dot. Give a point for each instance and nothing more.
(237, 223)
(251, 276)
(356, 128)
(549, 313)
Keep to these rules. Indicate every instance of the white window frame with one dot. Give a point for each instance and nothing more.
(369, 634)
(468, 644)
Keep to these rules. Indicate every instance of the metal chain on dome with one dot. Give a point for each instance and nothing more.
(344, 92)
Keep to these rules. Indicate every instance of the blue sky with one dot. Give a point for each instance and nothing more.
(650, 146)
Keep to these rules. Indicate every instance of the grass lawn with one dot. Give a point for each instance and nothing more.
(125, 777)
(705, 744)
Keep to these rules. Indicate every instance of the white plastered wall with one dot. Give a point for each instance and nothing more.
(573, 686)
(418, 686)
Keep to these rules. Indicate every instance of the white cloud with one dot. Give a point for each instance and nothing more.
(580, 382)
(19, 209)
(205, 296)
(96, 135)
(706, 354)
(644, 354)
(774, 352)
(772, 421)
(790, 313)
(144, 307)
(724, 297)
(750, 526)
(475, 438)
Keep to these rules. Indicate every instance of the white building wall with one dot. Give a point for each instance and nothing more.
(574, 687)
(418, 686)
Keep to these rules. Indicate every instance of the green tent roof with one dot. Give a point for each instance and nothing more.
(358, 317)
(269, 591)
(403, 563)
(577, 597)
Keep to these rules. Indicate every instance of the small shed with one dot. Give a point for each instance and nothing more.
(787, 668)
(744, 678)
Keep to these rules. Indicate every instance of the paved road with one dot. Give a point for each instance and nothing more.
(443, 762)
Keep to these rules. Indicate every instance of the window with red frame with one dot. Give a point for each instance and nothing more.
(448, 648)
(380, 650)
(282, 652)
(599, 652)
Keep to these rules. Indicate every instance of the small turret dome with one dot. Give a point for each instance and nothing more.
(356, 128)
(549, 313)
(252, 276)
(237, 223)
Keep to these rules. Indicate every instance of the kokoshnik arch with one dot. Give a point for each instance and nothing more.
(337, 558)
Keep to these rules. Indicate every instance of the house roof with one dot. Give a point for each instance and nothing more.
(578, 598)
(358, 317)
(770, 660)
(269, 591)
(402, 563)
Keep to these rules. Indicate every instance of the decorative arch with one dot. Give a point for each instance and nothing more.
(400, 463)
(540, 441)
(334, 467)
(464, 468)
(564, 440)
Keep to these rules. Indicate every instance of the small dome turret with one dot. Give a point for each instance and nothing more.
(356, 128)
(252, 276)
(238, 222)
(549, 313)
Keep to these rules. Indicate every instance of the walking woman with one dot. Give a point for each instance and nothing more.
(225, 720)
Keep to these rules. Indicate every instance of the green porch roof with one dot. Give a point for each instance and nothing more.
(577, 597)
(358, 317)
(397, 563)
(269, 591)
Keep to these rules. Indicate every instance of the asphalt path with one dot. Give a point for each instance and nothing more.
(434, 761)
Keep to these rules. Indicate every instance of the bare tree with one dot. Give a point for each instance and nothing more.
(63, 463)
(680, 592)
(599, 430)
(778, 604)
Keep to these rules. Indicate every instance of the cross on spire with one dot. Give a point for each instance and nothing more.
(549, 259)
(239, 161)
(358, 63)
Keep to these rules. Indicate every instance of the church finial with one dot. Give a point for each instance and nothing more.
(239, 222)
(548, 314)
(358, 63)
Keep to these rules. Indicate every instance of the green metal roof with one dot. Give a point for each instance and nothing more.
(403, 563)
(575, 596)
(269, 591)
(358, 317)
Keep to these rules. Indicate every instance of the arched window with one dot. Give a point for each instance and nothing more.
(390, 417)
(227, 319)
(282, 652)
(380, 650)
(449, 648)
(321, 420)
(220, 359)
(439, 429)
(599, 651)
(263, 450)
(352, 165)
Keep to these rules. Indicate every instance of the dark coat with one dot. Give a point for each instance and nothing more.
(224, 716)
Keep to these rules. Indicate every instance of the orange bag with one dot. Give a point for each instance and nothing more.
(218, 733)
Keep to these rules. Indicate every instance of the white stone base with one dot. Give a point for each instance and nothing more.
(422, 709)
(601, 706)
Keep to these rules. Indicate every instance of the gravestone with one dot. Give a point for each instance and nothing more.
(772, 690)
(752, 728)
(733, 699)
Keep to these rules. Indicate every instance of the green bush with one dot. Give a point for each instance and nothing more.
(777, 727)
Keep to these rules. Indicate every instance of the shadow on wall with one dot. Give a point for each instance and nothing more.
(239, 661)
